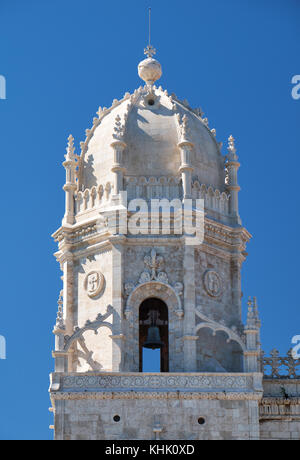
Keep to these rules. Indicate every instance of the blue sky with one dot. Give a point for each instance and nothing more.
(61, 60)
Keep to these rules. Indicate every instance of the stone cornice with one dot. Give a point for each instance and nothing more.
(226, 236)
(281, 380)
(218, 237)
(281, 401)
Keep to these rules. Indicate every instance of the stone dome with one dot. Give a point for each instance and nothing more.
(150, 124)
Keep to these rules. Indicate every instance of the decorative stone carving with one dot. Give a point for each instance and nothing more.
(163, 291)
(162, 277)
(215, 327)
(59, 325)
(93, 283)
(277, 367)
(129, 287)
(173, 395)
(183, 126)
(154, 263)
(274, 408)
(156, 278)
(145, 278)
(168, 382)
(212, 283)
(178, 288)
(89, 326)
(119, 129)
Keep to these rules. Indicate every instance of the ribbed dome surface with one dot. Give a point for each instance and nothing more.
(149, 125)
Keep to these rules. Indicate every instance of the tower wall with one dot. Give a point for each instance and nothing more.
(153, 146)
(156, 406)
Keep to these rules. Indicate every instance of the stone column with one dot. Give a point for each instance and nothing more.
(236, 283)
(117, 352)
(70, 185)
(61, 361)
(59, 355)
(189, 337)
(252, 353)
(118, 168)
(69, 212)
(232, 166)
(59, 419)
(68, 294)
(186, 168)
(253, 411)
(117, 303)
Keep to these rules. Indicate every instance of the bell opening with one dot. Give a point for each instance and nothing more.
(153, 335)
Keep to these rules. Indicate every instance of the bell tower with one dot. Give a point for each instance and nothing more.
(134, 279)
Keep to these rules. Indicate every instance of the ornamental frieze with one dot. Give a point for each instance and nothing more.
(179, 395)
(176, 382)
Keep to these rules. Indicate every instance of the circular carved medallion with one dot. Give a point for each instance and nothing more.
(212, 283)
(93, 283)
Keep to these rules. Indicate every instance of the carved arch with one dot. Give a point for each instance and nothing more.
(162, 291)
(144, 291)
(232, 337)
(215, 327)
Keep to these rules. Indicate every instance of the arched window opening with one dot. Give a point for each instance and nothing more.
(153, 336)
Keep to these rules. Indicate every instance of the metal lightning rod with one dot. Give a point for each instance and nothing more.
(149, 26)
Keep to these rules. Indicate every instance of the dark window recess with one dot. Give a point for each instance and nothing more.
(201, 420)
(117, 418)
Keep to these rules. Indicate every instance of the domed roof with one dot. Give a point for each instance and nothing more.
(150, 123)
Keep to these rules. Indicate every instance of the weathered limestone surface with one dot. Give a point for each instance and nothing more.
(93, 419)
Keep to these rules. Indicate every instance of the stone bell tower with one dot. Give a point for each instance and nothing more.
(128, 283)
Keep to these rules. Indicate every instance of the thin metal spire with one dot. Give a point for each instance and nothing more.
(149, 26)
(149, 51)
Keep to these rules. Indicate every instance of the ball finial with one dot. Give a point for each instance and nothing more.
(150, 69)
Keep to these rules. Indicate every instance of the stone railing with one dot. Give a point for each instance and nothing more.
(92, 198)
(214, 200)
(171, 188)
(153, 188)
(277, 367)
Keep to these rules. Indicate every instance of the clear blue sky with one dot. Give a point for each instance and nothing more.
(61, 60)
